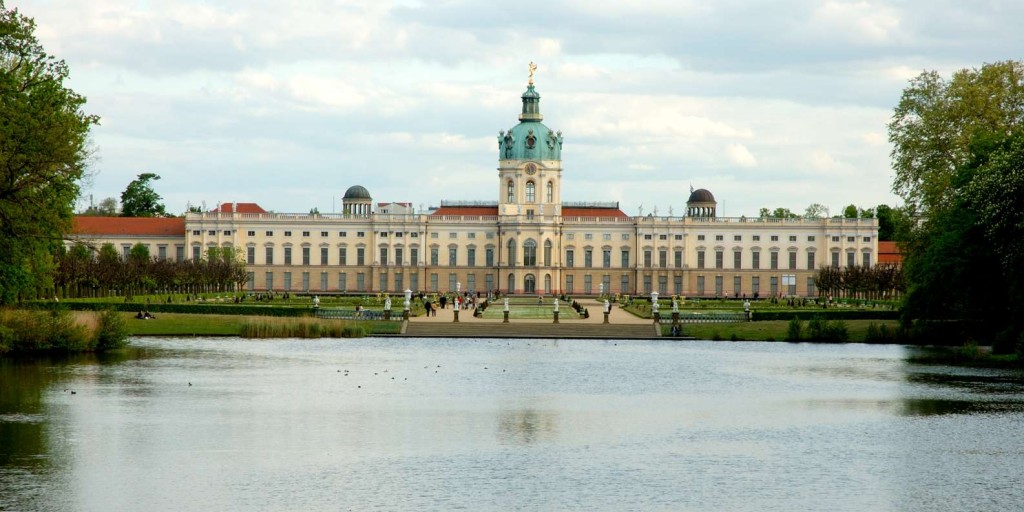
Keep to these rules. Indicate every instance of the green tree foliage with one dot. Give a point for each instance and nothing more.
(140, 200)
(936, 120)
(43, 154)
(959, 155)
(778, 213)
(816, 211)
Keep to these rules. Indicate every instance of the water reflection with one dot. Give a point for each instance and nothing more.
(527, 426)
(487, 425)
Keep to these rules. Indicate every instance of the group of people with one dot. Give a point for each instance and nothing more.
(144, 315)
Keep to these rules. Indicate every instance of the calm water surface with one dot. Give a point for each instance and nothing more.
(385, 424)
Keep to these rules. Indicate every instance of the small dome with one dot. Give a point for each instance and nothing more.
(701, 195)
(357, 192)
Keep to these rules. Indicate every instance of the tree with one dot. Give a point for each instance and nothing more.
(816, 211)
(936, 120)
(140, 200)
(106, 208)
(850, 212)
(43, 155)
(778, 213)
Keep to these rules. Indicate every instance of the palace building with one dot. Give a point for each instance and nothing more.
(527, 241)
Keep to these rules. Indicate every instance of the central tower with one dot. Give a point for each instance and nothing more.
(530, 163)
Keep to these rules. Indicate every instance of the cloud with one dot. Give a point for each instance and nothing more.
(740, 155)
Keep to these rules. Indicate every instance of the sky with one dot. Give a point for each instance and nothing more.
(778, 104)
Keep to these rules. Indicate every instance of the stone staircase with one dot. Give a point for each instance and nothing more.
(529, 330)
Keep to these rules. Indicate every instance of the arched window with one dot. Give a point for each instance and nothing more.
(547, 283)
(511, 253)
(530, 253)
(511, 191)
(529, 284)
(547, 253)
(551, 192)
(530, 193)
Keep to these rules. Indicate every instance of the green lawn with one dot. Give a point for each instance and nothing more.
(526, 311)
(772, 330)
(188, 324)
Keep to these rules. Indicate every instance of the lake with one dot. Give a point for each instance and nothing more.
(440, 424)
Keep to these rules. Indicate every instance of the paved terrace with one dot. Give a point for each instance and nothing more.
(622, 325)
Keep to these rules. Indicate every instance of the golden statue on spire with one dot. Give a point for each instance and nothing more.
(533, 67)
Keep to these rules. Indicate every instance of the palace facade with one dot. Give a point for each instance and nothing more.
(528, 241)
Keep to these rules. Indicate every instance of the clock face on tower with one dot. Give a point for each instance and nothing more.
(531, 169)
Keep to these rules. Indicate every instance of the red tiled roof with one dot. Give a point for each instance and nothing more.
(467, 210)
(889, 252)
(594, 212)
(129, 226)
(238, 208)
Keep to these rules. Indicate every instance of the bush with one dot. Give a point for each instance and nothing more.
(795, 330)
(111, 331)
(820, 329)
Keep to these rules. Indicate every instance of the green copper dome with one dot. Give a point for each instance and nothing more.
(530, 139)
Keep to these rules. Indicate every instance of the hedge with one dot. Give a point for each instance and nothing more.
(194, 308)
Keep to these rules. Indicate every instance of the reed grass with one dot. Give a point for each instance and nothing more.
(302, 328)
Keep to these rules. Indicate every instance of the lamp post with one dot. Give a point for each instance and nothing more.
(654, 307)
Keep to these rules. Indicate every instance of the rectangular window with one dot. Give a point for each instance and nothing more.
(268, 233)
(287, 281)
(323, 234)
(677, 285)
(287, 233)
(624, 284)
(835, 260)
(383, 259)
(811, 291)
(588, 284)
(736, 286)
(399, 258)
(737, 259)
(851, 239)
(663, 285)
(719, 238)
(810, 261)
(196, 253)
(305, 233)
(737, 238)
(323, 281)
(718, 286)
(774, 285)
(648, 258)
(588, 236)
(867, 239)
(625, 236)
(792, 261)
(287, 255)
(588, 258)
(435, 256)
(305, 281)
(755, 260)
(342, 282)
(471, 256)
(625, 258)
(489, 282)
(662, 237)
(361, 281)
(774, 260)
(324, 255)
(489, 258)
(453, 235)
(250, 255)
(453, 254)
(851, 259)
(414, 256)
(250, 281)
(161, 252)
(775, 238)
(342, 256)
(568, 284)
(471, 283)
(305, 255)
(361, 259)
(677, 256)
(196, 232)
(268, 257)
(810, 238)
(360, 234)
(179, 253)
(433, 282)
(414, 281)
(662, 258)
(648, 287)
(211, 232)
(757, 238)
(792, 238)
(383, 277)
(606, 258)
(700, 259)
(569, 258)
(719, 259)
(606, 284)
(700, 286)
(866, 257)
(755, 285)
(700, 238)
(343, 234)
(835, 239)
(269, 280)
